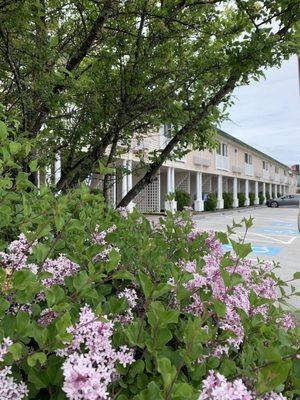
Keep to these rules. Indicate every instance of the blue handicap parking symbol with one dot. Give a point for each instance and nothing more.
(273, 231)
(284, 224)
(259, 250)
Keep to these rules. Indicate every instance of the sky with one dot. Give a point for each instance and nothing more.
(266, 114)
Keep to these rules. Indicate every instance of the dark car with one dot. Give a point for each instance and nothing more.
(287, 200)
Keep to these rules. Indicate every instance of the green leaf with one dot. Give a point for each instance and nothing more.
(241, 249)
(220, 308)
(36, 357)
(270, 376)
(54, 295)
(182, 391)
(158, 316)
(146, 284)
(33, 165)
(296, 275)
(23, 279)
(16, 349)
(167, 371)
(14, 147)
(151, 393)
(3, 130)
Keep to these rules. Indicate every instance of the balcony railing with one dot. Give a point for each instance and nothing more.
(258, 174)
(277, 177)
(236, 169)
(198, 160)
(249, 169)
(222, 162)
(265, 174)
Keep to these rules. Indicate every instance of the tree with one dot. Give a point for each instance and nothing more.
(86, 76)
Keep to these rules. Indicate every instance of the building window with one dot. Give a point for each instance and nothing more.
(222, 149)
(276, 170)
(248, 159)
(168, 131)
(265, 165)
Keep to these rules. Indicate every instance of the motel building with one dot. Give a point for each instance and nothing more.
(233, 167)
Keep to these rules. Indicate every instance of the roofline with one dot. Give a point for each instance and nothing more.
(233, 139)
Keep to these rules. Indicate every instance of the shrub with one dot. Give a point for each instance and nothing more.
(268, 195)
(211, 203)
(96, 306)
(279, 194)
(183, 199)
(273, 195)
(242, 199)
(251, 198)
(261, 198)
(228, 200)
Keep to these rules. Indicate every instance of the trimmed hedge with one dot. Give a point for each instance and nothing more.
(228, 200)
(261, 198)
(211, 203)
(183, 199)
(251, 198)
(242, 199)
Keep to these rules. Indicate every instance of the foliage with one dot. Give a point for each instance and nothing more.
(242, 199)
(261, 198)
(279, 194)
(88, 74)
(228, 200)
(104, 306)
(211, 203)
(251, 198)
(268, 195)
(183, 199)
(273, 195)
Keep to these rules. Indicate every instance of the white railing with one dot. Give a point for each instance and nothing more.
(277, 177)
(198, 160)
(249, 169)
(222, 162)
(265, 174)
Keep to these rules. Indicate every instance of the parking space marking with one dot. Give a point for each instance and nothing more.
(290, 232)
(259, 250)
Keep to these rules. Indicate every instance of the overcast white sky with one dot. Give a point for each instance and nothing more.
(266, 114)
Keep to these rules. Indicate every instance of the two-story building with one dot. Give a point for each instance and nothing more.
(233, 167)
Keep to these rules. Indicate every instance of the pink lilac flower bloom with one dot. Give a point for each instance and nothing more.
(47, 316)
(90, 364)
(274, 396)
(99, 237)
(59, 269)
(6, 342)
(123, 212)
(9, 389)
(216, 387)
(104, 255)
(287, 321)
(131, 297)
(17, 254)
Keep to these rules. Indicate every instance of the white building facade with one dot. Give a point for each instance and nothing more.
(234, 167)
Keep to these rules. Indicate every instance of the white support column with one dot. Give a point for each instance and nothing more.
(247, 201)
(275, 190)
(171, 204)
(124, 179)
(114, 189)
(270, 190)
(131, 205)
(264, 192)
(48, 175)
(256, 200)
(199, 203)
(57, 168)
(235, 203)
(220, 200)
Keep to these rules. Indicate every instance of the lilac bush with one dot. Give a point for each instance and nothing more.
(98, 305)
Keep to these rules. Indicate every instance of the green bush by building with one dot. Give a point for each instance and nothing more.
(183, 199)
(228, 200)
(242, 199)
(211, 203)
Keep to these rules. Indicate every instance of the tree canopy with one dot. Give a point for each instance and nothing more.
(84, 77)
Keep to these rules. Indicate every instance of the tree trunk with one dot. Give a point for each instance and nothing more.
(155, 166)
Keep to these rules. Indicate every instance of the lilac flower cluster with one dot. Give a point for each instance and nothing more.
(47, 316)
(287, 321)
(16, 257)
(217, 387)
(131, 296)
(210, 279)
(59, 269)
(90, 364)
(9, 389)
(6, 342)
(99, 237)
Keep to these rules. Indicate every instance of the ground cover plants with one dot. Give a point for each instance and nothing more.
(98, 305)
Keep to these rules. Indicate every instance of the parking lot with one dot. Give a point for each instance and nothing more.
(274, 236)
